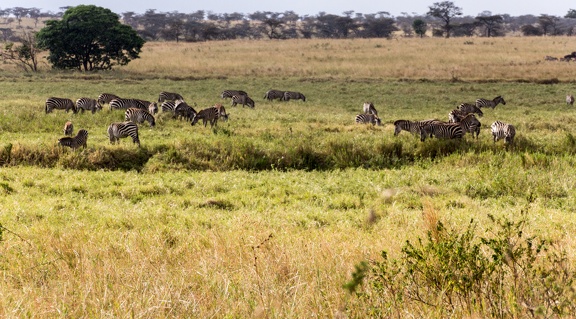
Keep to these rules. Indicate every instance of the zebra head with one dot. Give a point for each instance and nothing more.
(499, 99)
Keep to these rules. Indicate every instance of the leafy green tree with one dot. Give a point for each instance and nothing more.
(571, 14)
(419, 27)
(89, 38)
(445, 11)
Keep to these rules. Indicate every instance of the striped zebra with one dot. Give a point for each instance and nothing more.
(68, 129)
(470, 108)
(441, 130)
(153, 108)
(411, 126)
(242, 99)
(169, 96)
(368, 118)
(207, 115)
(75, 142)
(231, 93)
(128, 103)
(88, 104)
(289, 95)
(273, 95)
(59, 104)
(470, 124)
(119, 130)
(570, 99)
(168, 106)
(490, 103)
(183, 110)
(369, 108)
(139, 116)
(221, 112)
(501, 130)
(105, 98)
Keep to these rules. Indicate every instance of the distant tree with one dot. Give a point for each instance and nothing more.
(6, 34)
(25, 55)
(571, 14)
(19, 13)
(548, 24)
(465, 29)
(491, 24)
(381, 27)
(419, 26)
(530, 30)
(273, 28)
(445, 11)
(174, 30)
(89, 38)
(35, 14)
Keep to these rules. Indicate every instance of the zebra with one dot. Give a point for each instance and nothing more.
(470, 108)
(207, 115)
(76, 141)
(274, 94)
(88, 104)
(570, 99)
(183, 110)
(411, 126)
(60, 104)
(289, 95)
(490, 103)
(470, 124)
(501, 130)
(369, 108)
(119, 130)
(153, 108)
(169, 96)
(221, 112)
(168, 106)
(231, 93)
(106, 98)
(128, 103)
(368, 118)
(242, 99)
(138, 116)
(68, 129)
(441, 130)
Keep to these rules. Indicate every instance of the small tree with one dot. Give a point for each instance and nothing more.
(24, 55)
(571, 14)
(491, 24)
(89, 38)
(419, 27)
(445, 11)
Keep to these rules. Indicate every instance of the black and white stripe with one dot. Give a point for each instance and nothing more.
(169, 96)
(207, 115)
(570, 99)
(368, 119)
(105, 98)
(470, 108)
(88, 104)
(221, 112)
(411, 126)
(470, 124)
(168, 106)
(290, 95)
(119, 130)
(59, 103)
(490, 103)
(441, 130)
(231, 93)
(501, 130)
(128, 103)
(242, 99)
(274, 95)
(74, 142)
(139, 116)
(184, 111)
(369, 108)
(68, 128)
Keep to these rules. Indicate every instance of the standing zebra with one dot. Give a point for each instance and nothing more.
(369, 108)
(570, 99)
(221, 112)
(368, 118)
(501, 130)
(242, 99)
(294, 96)
(231, 93)
(88, 104)
(470, 108)
(76, 141)
(490, 103)
(68, 129)
(139, 116)
(128, 103)
(441, 130)
(59, 104)
(207, 115)
(183, 110)
(411, 126)
(169, 96)
(273, 95)
(470, 124)
(119, 130)
(106, 98)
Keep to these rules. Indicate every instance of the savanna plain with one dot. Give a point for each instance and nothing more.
(273, 213)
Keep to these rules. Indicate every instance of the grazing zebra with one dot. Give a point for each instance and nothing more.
(221, 112)
(88, 104)
(128, 103)
(153, 108)
(470, 108)
(274, 94)
(501, 130)
(169, 96)
(168, 106)
(369, 108)
(207, 115)
(106, 98)
(569, 99)
(60, 104)
(470, 124)
(76, 141)
(242, 99)
(294, 96)
(68, 129)
(441, 130)
(231, 93)
(490, 103)
(139, 116)
(183, 110)
(119, 130)
(411, 126)
(368, 118)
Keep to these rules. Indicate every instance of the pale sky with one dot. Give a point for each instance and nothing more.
(557, 8)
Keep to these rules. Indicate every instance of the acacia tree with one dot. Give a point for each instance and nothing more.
(89, 38)
(419, 27)
(25, 55)
(445, 11)
(491, 24)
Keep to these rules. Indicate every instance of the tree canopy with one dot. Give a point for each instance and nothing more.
(89, 38)
(445, 11)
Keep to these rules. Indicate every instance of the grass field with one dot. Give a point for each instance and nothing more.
(267, 215)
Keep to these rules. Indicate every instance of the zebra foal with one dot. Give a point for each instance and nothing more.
(501, 130)
(490, 103)
(368, 119)
(75, 142)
